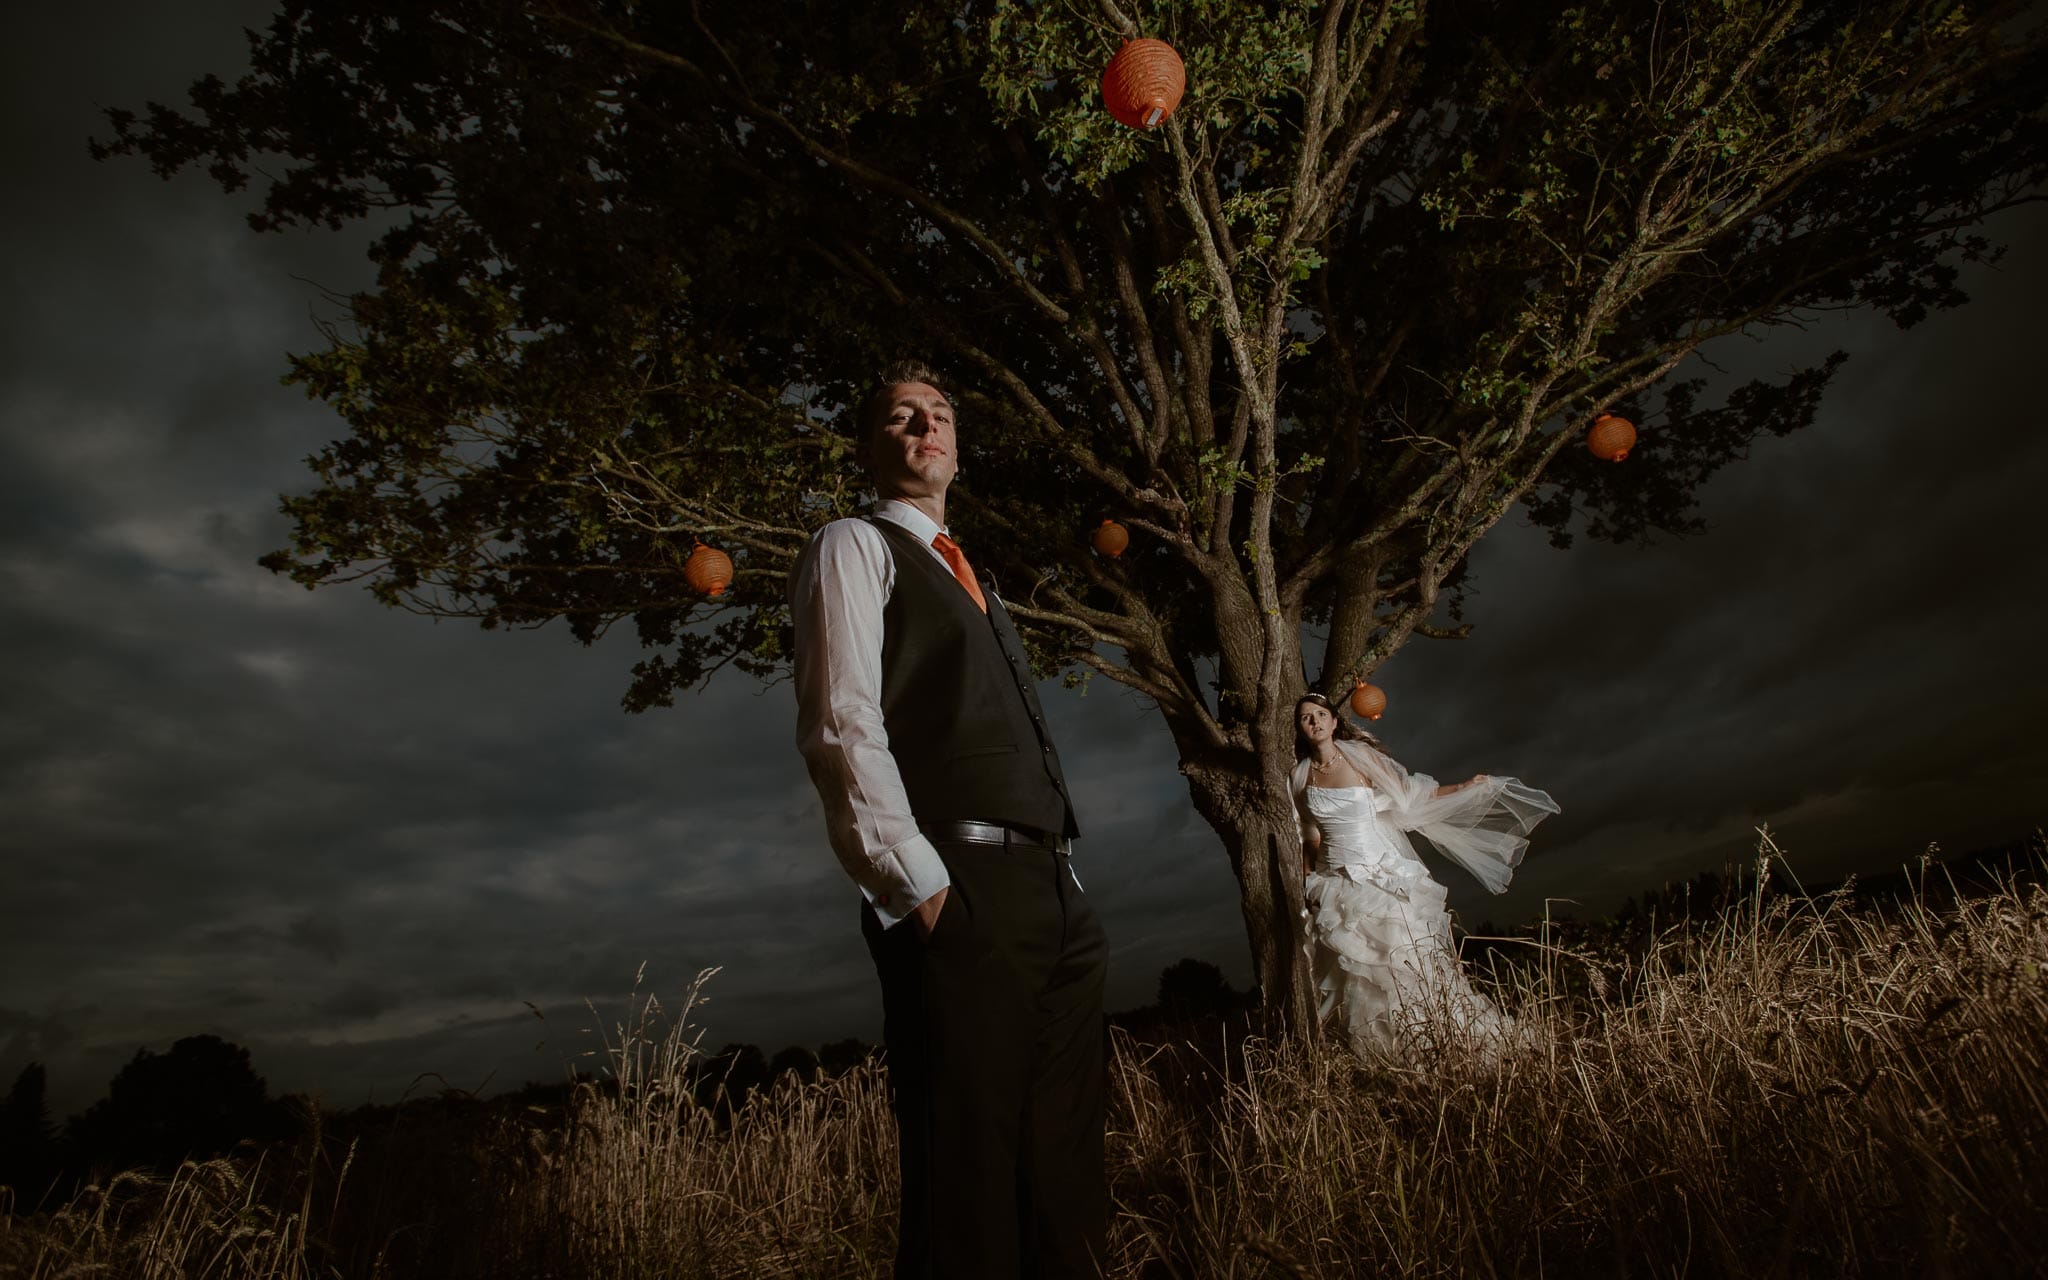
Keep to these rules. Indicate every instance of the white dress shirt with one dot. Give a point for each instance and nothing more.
(842, 581)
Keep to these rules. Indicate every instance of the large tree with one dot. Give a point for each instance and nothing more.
(199, 1100)
(1309, 340)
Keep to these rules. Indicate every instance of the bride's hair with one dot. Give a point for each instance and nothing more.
(1345, 730)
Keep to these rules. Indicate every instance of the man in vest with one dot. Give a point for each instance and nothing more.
(944, 800)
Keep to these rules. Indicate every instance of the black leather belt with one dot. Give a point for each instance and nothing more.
(992, 833)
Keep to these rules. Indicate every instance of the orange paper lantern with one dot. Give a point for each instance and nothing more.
(708, 570)
(1611, 437)
(1143, 83)
(1368, 700)
(1111, 538)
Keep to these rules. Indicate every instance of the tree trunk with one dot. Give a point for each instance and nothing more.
(1255, 818)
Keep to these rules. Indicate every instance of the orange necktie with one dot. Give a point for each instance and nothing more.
(956, 559)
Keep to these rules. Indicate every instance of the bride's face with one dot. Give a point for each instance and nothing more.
(1316, 722)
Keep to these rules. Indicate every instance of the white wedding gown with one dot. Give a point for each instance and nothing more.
(1380, 937)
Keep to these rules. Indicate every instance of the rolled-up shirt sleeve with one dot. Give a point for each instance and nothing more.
(837, 594)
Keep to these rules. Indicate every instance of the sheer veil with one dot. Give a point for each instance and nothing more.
(1483, 827)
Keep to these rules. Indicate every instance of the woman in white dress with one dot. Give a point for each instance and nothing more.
(1379, 931)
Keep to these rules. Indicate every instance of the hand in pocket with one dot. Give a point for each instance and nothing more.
(924, 917)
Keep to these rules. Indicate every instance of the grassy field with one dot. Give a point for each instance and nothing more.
(1791, 1086)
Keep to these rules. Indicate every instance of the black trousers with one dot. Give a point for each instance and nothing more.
(997, 1071)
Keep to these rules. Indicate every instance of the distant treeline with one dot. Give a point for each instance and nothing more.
(1936, 880)
(204, 1098)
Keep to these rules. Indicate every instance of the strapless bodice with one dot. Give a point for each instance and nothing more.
(1356, 833)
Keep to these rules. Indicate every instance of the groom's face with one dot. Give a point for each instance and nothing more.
(912, 451)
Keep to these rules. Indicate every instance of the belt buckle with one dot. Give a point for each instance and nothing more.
(1046, 840)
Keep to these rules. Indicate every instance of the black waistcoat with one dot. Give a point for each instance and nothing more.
(963, 717)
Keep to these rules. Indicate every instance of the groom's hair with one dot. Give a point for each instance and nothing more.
(875, 406)
(1345, 730)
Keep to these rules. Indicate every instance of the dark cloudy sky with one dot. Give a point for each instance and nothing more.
(357, 842)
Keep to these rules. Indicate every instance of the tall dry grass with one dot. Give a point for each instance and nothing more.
(1798, 1087)
(643, 1181)
(221, 1218)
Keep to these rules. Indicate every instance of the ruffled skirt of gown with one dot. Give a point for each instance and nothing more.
(1380, 940)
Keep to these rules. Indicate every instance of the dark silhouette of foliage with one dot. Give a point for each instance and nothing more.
(28, 1140)
(726, 1079)
(794, 1059)
(1190, 989)
(198, 1100)
(843, 1055)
